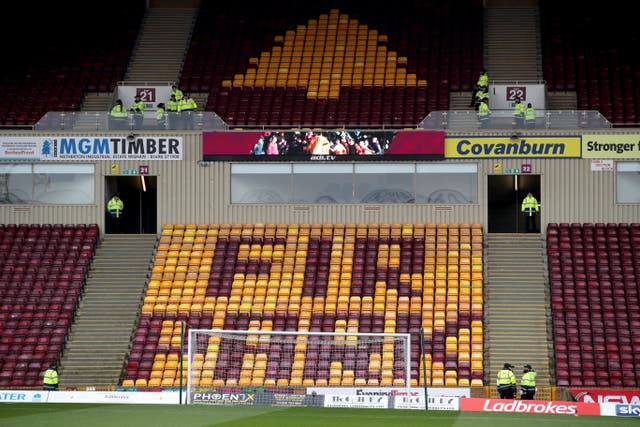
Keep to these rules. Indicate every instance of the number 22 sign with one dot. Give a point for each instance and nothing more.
(514, 92)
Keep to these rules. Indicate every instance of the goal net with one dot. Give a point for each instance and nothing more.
(224, 361)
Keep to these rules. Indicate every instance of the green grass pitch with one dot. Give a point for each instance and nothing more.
(128, 415)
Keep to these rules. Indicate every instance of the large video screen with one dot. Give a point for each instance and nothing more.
(326, 145)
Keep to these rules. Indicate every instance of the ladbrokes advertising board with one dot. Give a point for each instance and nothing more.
(529, 406)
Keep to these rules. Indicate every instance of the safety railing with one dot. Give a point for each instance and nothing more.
(101, 121)
(504, 119)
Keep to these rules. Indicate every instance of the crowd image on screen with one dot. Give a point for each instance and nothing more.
(338, 143)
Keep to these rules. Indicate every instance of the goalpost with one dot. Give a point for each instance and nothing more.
(229, 361)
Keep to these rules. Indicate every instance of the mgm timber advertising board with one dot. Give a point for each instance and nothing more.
(91, 147)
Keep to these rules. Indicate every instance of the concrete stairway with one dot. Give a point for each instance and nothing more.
(201, 99)
(460, 101)
(100, 337)
(162, 45)
(562, 101)
(517, 327)
(157, 57)
(94, 108)
(512, 45)
(512, 40)
(97, 101)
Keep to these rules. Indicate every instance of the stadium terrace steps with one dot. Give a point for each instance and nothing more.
(96, 101)
(162, 44)
(93, 102)
(562, 101)
(100, 337)
(512, 43)
(460, 100)
(516, 324)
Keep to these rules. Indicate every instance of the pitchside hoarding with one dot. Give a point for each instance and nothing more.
(325, 145)
(440, 398)
(529, 406)
(38, 396)
(588, 395)
(393, 391)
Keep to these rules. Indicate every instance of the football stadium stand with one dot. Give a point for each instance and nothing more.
(597, 65)
(42, 277)
(392, 278)
(593, 273)
(356, 64)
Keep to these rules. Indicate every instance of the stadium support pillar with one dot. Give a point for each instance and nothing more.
(181, 357)
(424, 370)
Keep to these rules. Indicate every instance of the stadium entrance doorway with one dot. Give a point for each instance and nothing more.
(505, 195)
(139, 195)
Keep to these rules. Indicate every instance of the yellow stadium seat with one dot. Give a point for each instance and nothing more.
(167, 382)
(437, 382)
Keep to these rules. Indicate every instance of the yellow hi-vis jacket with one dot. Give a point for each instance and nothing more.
(530, 205)
(50, 377)
(484, 111)
(518, 109)
(530, 114)
(483, 80)
(178, 94)
(138, 106)
(187, 105)
(506, 377)
(115, 207)
(160, 114)
(118, 110)
(528, 379)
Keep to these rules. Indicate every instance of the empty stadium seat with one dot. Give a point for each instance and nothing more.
(38, 319)
(278, 81)
(592, 330)
(58, 79)
(598, 69)
(316, 277)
